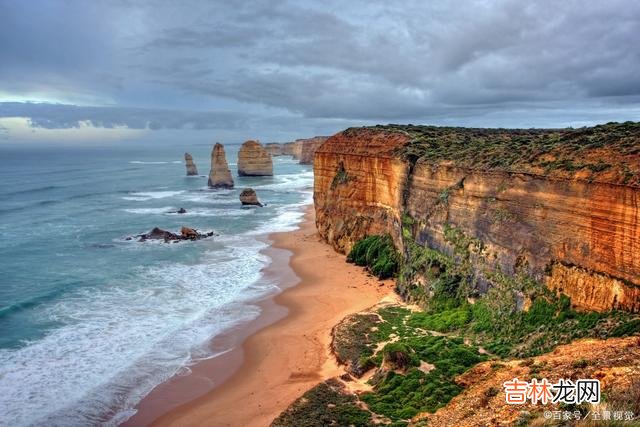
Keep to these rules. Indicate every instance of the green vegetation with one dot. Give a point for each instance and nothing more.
(549, 150)
(341, 177)
(401, 388)
(496, 321)
(378, 254)
(325, 404)
(354, 341)
(402, 396)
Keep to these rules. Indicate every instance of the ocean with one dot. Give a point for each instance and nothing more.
(90, 322)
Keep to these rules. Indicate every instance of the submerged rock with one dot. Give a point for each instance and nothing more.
(179, 211)
(254, 160)
(186, 233)
(249, 197)
(220, 175)
(191, 166)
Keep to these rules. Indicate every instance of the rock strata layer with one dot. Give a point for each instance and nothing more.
(191, 166)
(219, 175)
(254, 160)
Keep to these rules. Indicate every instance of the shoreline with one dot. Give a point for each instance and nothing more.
(253, 382)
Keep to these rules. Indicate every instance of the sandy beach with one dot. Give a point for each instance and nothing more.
(275, 364)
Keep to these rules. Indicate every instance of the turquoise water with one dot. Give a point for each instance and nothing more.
(91, 322)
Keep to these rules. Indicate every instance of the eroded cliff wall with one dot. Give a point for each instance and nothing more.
(573, 226)
(358, 186)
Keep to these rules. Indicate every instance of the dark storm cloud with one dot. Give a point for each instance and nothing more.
(159, 64)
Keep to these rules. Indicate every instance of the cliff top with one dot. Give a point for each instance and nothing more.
(604, 153)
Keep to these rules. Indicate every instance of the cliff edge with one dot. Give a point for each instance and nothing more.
(559, 206)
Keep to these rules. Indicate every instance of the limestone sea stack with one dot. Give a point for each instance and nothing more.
(219, 175)
(254, 160)
(249, 197)
(192, 170)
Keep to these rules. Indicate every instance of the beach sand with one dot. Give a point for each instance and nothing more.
(277, 363)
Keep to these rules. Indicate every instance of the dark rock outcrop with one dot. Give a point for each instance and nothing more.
(219, 175)
(186, 233)
(179, 211)
(249, 197)
(192, 170)
(254, 160)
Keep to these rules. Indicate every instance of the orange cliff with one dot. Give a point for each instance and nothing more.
(560, 205)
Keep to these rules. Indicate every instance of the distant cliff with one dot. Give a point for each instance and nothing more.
(559, 206)
(305, 149)
(280, 149)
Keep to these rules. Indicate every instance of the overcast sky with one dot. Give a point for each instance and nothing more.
(278, 70)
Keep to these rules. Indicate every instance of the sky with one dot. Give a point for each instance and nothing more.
(160, 70)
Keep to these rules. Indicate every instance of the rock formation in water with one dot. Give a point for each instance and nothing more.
(191, 166)
(186, 233)
(219, 175)
(559, 206)
(254, 160)
(249, 197)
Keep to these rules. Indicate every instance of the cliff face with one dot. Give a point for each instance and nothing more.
(191, 166)
(278, 149)
(308, 148)
(254, 160)
(358, 186)
(576, 229)
(219, 175)
(305, 149)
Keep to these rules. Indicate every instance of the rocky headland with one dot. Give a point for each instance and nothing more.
(557, 206)
(192, 170)
(516, 252)
(254, 160)
(219, 175)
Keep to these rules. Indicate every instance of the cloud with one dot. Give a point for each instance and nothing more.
(61, 116)
(201, 65)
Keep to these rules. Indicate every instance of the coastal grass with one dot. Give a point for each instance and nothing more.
(323, 405)
(378, 254)
(400, 396)
(546, 150)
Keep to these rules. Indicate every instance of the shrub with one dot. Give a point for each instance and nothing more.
(378, 254)
(399, 356)
(628, 328)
